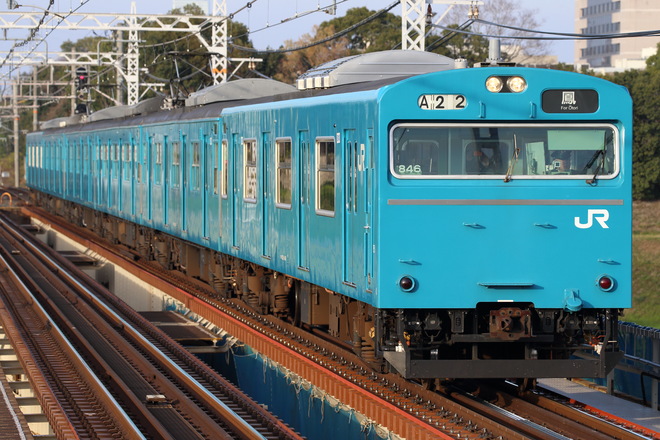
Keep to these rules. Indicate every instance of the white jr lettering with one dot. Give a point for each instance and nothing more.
(600, 215)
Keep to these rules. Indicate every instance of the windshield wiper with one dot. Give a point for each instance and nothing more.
(513, 160)
(599, 168)
(592, 160)
(601, 163)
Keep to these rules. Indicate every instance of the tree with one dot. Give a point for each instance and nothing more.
(473, 48)
(298, 62)
(381, 33)
(644, 86)
(510, 13)
(183, 61)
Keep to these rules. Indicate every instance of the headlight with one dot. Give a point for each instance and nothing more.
(494, 84)
(516, 84)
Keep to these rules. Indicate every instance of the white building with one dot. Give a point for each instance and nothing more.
(608, 17)
(179, 4)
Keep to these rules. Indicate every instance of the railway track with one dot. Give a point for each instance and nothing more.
(408, 409)
(165, 391)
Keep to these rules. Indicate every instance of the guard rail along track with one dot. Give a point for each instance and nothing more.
(165, 392)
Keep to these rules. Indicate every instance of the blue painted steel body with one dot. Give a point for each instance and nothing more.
(465, 234)
(463, 240)
(533, 241)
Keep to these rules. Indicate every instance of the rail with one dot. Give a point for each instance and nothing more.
(81, 317)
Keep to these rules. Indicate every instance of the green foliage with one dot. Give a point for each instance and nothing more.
(181, 60)
(646, 260)
(644, 86)
(472, 48)
(383, 33)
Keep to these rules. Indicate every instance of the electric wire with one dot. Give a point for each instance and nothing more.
(559, 35)
(323, 40)
(33, 33)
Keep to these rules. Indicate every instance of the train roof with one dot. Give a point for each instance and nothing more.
(363, 72)
(250, 88)
(373, 66)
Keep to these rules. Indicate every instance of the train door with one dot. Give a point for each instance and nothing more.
(353, 221)
(206, 163)
(224, 186)
(184, 182)
(304, 198)
(150, 175)
(166, 182)
(265, 155)
(95, 145)
(89, 173)
(368, 208)
(111, 174)
(236, 160)
(105, 176)
(134, 166)
(122, 151)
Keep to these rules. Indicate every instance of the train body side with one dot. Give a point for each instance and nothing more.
(455, 215)
(319, 241)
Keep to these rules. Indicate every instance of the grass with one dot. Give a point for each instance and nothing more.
(646, 265)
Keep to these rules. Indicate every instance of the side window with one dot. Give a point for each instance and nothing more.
(158, 159)
(216, 162)
(250, 170)
(325, 176)
(115, 160)
(176, 164)
(196, 169)
(225, 169)
(127, 155)
(283, 177)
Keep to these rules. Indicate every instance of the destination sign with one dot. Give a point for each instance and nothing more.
(570, 101)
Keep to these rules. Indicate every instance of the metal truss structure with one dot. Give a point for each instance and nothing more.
(417, 14)
(133, 23)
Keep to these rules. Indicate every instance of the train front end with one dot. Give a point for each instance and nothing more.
(504, 223)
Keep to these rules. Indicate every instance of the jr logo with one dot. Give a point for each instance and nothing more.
(601, 216)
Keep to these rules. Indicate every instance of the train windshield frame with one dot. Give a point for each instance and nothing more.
(504, 151)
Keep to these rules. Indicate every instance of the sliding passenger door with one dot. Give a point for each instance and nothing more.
(264, 196)
(207, 159)
(305, 206)
(353, 221)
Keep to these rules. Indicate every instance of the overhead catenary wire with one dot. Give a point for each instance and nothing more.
(34, 31)
(556, 35)
(323, 40)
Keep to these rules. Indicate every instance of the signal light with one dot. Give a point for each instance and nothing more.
(606, 283)
(81, 78)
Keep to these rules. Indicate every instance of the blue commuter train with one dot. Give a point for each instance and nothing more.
(446, 222)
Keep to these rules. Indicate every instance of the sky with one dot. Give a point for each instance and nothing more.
(265, 17)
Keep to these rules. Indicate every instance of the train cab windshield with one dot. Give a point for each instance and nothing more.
(549, 151)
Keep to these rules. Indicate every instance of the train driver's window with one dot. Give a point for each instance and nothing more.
(484, 157)
(419, 151)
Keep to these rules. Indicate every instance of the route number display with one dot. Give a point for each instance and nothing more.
(442, 102)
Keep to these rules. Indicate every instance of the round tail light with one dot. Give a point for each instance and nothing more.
(606, 283)
(407, 283)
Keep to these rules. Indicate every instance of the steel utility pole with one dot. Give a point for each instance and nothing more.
(134, 24)
(14, 102)
(416, 14)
